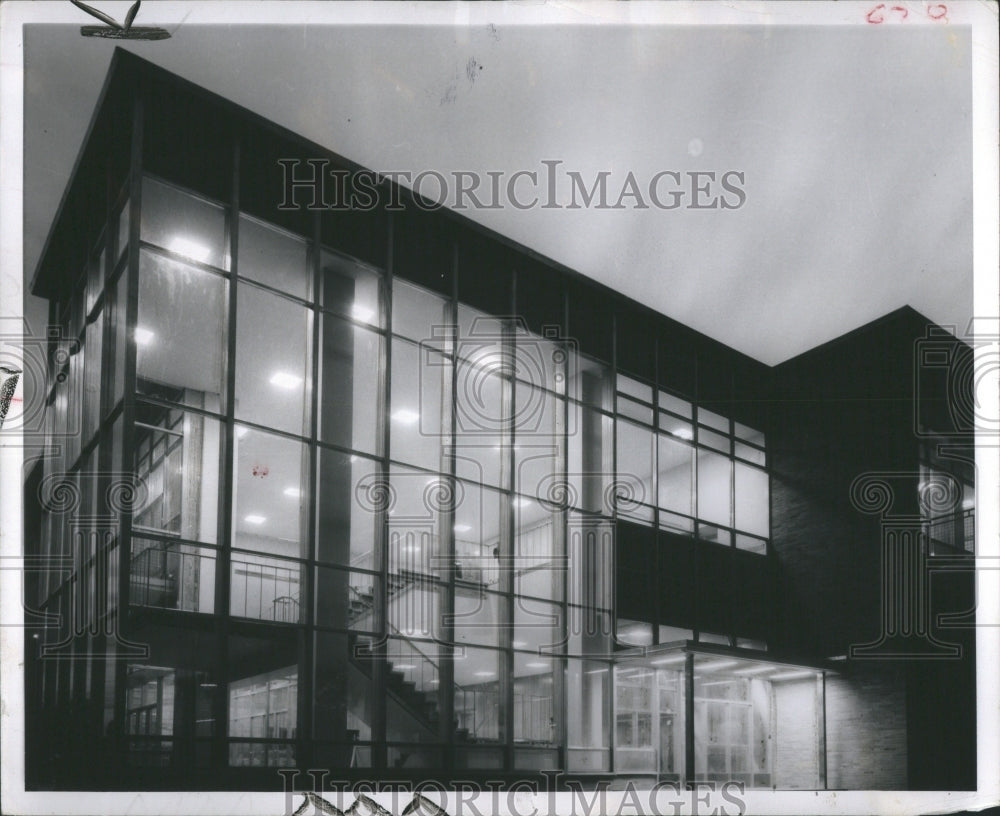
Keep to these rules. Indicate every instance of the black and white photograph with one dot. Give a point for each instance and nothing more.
(499, 408)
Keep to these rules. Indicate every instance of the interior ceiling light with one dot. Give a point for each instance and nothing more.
(363, 313)
(405, 416)
(190, 249)
(282, 379)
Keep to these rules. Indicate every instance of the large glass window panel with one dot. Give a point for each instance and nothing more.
(590, 381)
(479, 616)
(635, 721)
(415, 503)
(186, 225)
(346, 600)
(481, 424)
(477, 535)
(636, 454)
(274, 257)
(348, 501)
(590, 439)
(120, 338)
(713, 420)
(538, 566)
(635, 389)
(271, 589)
(752, 502)
(412, 711)
(714, 488)
(168, 711)
(480, 340)
(477, 694)
(713, 440)
(590, 632)
(538, 626)
(676, 475)
(350, 288)
(751, 544)
(270, 493)
(416, 312)
(177, 466)
(538, 442)
(124, 216)
(343, 699)
(751, 454)
(540, 362)
(634, 410)
(172, 575)
(264, 706)
(535, 714)
(674, 404)
(590, 551)
(92, 375)
(588, 699)
(95, 278)
(180, 334)
(416, 420)
(273, 352)
(350, 398)
(414, 606)
(748, 434)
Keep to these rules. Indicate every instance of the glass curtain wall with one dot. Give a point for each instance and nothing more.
(423, 492)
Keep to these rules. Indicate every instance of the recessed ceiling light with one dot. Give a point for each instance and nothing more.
(485, 673)
(241, 431)
(252, 519)
(190, 249)
(293, 492)
(405, 416)
(792, 675)
(462, 528)
(361, 312)
(683, 433)
(669, 661)
(716, 665)
(282, 379)
(403, 666)
(536, 665)
(522, 502)
(143, 336)
(519, 644)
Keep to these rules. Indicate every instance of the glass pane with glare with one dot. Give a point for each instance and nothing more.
(273, 352)
(184, 224)
(273, 257)
(180, 333)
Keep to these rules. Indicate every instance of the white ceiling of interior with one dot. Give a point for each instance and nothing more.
(855, 144)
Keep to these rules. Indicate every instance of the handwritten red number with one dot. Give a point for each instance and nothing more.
(875, 15)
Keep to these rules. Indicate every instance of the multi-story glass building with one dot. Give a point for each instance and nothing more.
(369, 488)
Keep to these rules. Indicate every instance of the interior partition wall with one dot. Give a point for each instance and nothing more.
(372, 482)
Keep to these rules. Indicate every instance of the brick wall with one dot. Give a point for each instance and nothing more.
(866, 731)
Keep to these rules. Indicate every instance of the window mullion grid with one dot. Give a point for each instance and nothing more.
(446, 614)
(380, 547)
(225, 533)
(304, 731)
(505, 636)
(128, 408)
